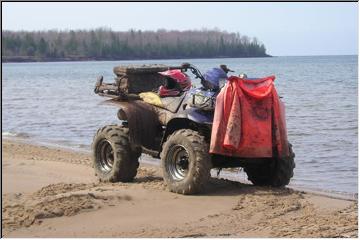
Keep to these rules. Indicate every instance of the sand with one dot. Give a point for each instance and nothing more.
(49, 192)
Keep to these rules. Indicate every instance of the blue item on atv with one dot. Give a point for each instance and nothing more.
(214, 75)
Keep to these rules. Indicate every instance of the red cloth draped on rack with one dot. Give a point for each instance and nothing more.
(249, 120)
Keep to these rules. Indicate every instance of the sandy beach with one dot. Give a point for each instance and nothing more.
(49, 192)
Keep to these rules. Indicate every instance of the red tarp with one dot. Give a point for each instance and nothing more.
(243, 123)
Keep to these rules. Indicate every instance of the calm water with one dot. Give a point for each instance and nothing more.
(55, 103)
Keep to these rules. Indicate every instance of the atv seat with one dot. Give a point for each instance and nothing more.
(169, 103)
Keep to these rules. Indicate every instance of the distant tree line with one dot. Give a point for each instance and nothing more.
(105, 44)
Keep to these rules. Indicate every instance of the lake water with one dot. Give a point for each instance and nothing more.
(55, 103)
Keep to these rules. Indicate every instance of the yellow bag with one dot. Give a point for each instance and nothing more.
(151, 98)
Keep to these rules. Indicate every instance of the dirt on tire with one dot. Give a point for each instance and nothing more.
(125, 158)
(199, 162)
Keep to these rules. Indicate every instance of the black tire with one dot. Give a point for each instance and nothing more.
(114, 159)
(186, 162)
(272, 173)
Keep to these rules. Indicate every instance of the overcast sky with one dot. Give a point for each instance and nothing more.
(285, 28)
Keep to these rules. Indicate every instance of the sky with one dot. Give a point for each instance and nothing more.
(286, 29)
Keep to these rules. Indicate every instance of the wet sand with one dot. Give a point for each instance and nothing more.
(49, 192)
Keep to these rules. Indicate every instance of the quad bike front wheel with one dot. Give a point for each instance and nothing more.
(186, 162)
(276, 173)
(113, 157)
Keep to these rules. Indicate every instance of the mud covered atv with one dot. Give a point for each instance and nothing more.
(178, 131)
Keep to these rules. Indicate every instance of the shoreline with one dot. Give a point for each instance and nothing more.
(148, 160)
(155, 59)
(51, 192)
(26, 59)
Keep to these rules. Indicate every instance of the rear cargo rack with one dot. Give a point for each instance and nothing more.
(131, 80)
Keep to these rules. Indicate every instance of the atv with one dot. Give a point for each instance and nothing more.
(177, 130)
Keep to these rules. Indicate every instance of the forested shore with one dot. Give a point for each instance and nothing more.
(105, 44)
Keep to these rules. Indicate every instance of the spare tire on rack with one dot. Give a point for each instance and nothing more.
(113, 157)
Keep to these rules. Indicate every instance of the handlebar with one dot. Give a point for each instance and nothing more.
(185, 66)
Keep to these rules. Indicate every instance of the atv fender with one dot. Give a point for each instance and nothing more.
(142, 121)
(191, 118)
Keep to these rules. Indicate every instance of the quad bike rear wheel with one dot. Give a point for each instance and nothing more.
(113, 157)
(275, 173)
(186, 162)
